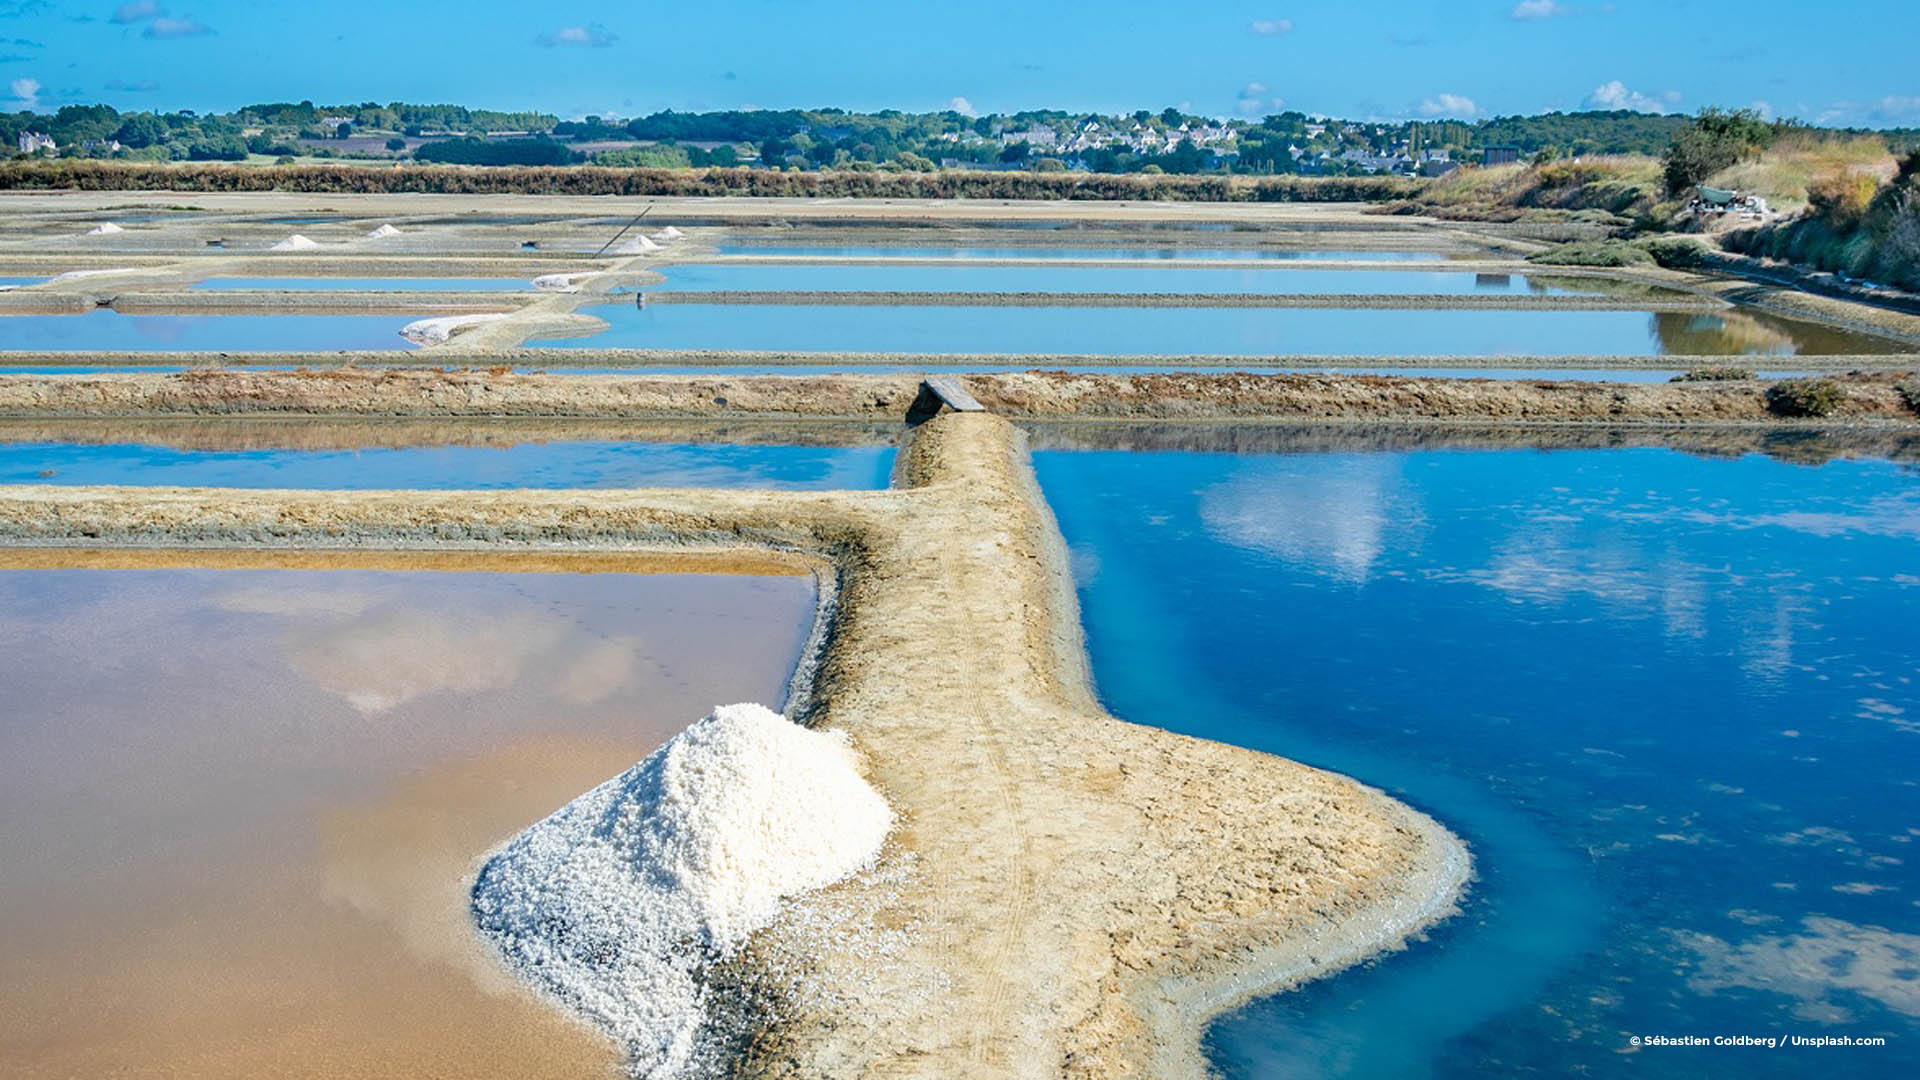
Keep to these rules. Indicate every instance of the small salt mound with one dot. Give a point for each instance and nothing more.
(561, 282)
(639, 245)
(437, 330)
(296, 242)
(617, 903)
(664, 237)
(670, 233)
(105, 228)
(383, 232)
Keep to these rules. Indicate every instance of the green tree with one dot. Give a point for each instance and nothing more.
(1715, 140)
(396, 144)
(141, 130)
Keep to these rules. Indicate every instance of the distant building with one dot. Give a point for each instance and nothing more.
(1438, 167)
(1500, 155)
(32, 142)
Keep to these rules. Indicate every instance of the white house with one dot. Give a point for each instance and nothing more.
(32, 142)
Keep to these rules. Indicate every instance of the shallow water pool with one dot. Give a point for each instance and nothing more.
(243, 806)
(1671, 702)
(368, 284)
(747, 277)
(879, 251)
(531, 463)
(106, 329)
(1176, 331)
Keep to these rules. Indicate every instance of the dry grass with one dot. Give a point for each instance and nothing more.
(1785, 171)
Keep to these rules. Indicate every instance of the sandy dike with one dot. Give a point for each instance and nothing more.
(421, 394)
(1066, 894)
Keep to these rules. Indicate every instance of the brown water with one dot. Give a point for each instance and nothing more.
(239, 808)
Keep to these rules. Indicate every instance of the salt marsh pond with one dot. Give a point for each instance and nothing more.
(243, 805)
(1185, 331)
(1669, 700)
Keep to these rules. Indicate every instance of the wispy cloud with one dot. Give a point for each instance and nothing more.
(1893, 110)
(1272, 27)
(137, 11)
(1535, 10)
(1454, 105)
(1614, 94)
(164, 28)
(1254, 100)
(962, 106)
(26, 92)
(592, 35)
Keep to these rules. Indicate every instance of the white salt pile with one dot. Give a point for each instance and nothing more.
(639, 245)
(383, 232)
(296, 242)
(670, 233)
(105, 228)
(561, 282)
(437, 330)
(617, 904)
(665, 237)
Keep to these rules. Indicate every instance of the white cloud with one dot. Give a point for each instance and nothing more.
(592, 35)
(1272, 27)
(962, 106)
(164, 27)
(137, 11)
(1456, 105)
(1535, 10)
(26, 92)
(1253, 100)
(1615, 95)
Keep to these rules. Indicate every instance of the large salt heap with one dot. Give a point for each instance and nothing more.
(617, 903)
(296, 242)
(639, 245)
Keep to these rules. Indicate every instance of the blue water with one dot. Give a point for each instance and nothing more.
(106, 329)
(751, 277)
(20, 280)
(1175, 331)
(885, 252)
(368, 284)
(1671, 702)
(558, 464)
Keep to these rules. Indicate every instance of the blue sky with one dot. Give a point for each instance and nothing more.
(1846, 63)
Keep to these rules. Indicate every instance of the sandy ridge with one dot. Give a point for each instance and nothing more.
(1031, 394)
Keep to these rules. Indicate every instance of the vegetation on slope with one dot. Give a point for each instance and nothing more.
(1854, 224)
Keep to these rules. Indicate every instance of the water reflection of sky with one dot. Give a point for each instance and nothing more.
(1667, 699)
(1188, 331)
(242, 806)
(529, 464)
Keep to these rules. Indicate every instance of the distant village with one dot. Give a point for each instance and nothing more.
(1216, 139)
(1167, 141)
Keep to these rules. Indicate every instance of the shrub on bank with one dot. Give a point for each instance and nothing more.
(1909, 391)
(1675, 252)
(1605, 253)
(1804, 397)
(1713, 373)
(89, 175)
